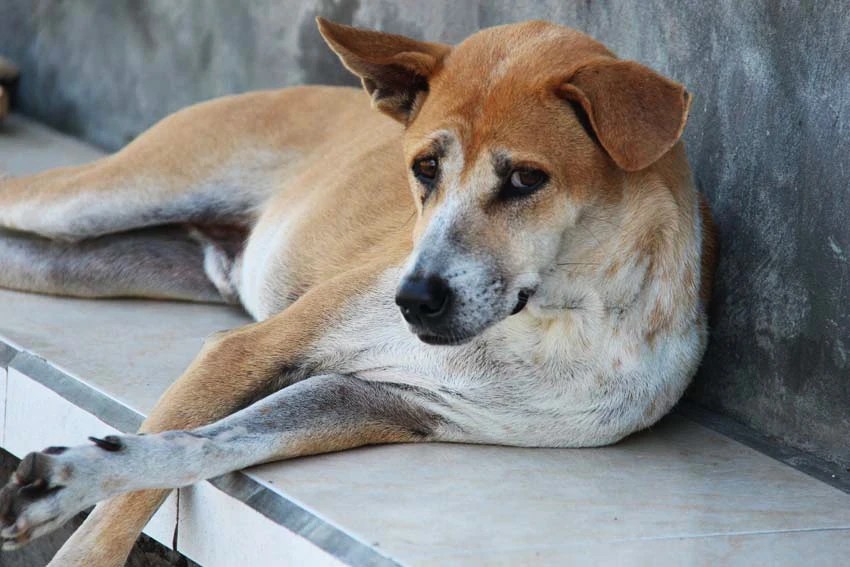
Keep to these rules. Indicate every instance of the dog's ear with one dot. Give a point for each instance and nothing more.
(394, 69)
(636, 114)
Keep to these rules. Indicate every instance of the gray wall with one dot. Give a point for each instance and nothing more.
(769, 140)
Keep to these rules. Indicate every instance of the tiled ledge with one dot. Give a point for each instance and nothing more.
(678, 494)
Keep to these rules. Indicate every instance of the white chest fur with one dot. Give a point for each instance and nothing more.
(545, 377)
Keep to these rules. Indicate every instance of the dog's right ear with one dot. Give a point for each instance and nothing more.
(394, 69)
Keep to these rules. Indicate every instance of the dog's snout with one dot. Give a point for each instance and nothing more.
(423, 298)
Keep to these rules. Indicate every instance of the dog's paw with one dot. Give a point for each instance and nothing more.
(47, 490)
(29, 503)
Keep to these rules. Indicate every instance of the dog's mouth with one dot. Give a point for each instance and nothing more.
(451, 340)
(438, 340)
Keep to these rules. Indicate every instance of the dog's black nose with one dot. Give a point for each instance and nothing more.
(423, 298)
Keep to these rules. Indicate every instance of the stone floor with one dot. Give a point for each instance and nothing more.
(678, 494)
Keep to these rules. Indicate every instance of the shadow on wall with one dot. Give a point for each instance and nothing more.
(768, 137)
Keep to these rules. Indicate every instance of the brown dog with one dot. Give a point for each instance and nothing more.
(552, 294)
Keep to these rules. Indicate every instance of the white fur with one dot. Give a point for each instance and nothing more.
(263, 274)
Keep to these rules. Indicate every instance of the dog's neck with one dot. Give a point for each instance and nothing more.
(633, 264)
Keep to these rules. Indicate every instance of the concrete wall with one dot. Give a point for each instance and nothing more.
(769, 140)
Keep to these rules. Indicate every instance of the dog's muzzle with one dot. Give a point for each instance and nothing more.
(426, 302)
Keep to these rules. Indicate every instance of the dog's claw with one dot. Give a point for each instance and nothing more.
(109, 443)
(55, 450)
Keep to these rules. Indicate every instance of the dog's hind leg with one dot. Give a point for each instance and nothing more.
(200, 165)
(162, 262)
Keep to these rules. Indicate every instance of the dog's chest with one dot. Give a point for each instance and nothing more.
(528, 380)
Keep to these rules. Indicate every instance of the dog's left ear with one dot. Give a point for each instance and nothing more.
(636, 114)
(394, 69)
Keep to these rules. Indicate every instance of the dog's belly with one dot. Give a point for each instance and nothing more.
(266, 282)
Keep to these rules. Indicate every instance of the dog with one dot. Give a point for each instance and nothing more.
(545, 286)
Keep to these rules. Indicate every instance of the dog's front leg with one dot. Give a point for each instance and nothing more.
(233, 369)
(317, 415)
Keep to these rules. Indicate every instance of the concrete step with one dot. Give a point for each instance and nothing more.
(680, 493)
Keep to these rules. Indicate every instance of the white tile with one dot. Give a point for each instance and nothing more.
(219, 531)
(826, 548)
(131, 350)
(678, 480)
(37, 417)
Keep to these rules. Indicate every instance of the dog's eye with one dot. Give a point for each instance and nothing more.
(426, 169)
(523, 182)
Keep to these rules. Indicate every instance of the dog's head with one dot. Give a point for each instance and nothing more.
(510, 136)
